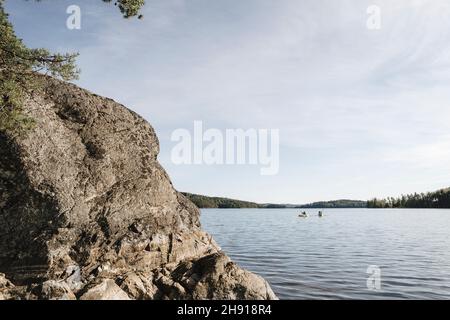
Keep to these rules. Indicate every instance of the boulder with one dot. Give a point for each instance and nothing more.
(229, 281)
(106, 290)
(5, 287)
(56, 290)
(139, 286)
(84, 198)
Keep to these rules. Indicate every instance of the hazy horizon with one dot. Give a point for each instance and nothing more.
(362, 113)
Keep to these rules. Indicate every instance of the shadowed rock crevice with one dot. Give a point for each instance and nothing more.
(87, 212)
(29, 216)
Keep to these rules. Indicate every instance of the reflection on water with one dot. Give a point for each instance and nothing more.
(328, 257)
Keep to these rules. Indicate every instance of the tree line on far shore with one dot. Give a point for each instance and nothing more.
(221, 203)
(226, 203)
(436, 199)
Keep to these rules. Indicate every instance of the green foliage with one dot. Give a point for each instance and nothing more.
(437, 199)
(129, 8)
(336, 204)
(19, 74)
(215, 202)
(21, 68)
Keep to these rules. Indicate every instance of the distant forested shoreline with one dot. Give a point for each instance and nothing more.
(205, 202)
(437, 199)
(336, 204)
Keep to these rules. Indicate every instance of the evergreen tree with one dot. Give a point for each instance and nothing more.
(21, 68)
(437, 199)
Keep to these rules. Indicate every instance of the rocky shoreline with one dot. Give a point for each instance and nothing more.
(87, 212)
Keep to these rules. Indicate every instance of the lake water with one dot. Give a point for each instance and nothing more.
(328, 257)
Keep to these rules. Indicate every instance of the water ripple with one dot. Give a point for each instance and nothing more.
(327, 258)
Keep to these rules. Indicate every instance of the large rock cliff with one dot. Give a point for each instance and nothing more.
(87, 212)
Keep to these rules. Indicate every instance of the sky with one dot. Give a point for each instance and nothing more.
(361, 112)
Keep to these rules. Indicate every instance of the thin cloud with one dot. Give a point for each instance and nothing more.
(365, 108)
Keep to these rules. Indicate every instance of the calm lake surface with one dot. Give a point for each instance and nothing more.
(328, 257)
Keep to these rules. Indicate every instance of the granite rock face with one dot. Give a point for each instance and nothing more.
(86, 211)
